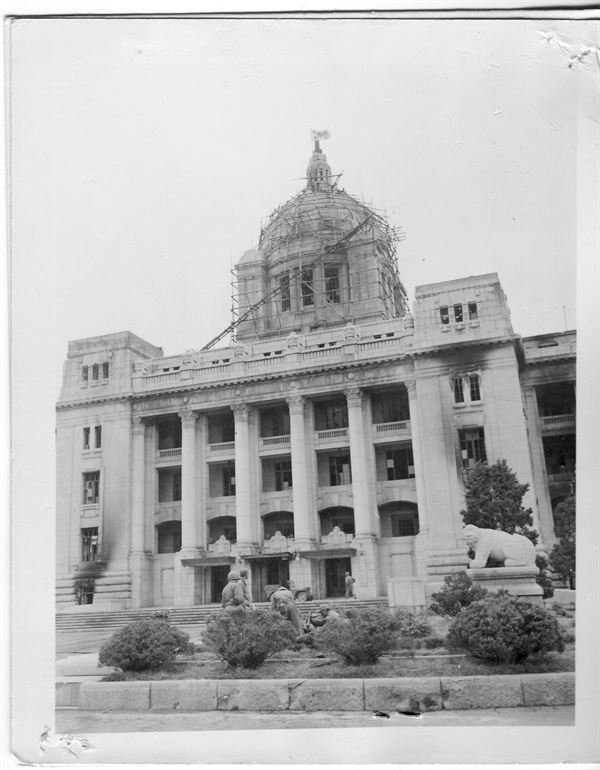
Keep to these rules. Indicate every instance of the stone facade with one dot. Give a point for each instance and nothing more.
(332, 435)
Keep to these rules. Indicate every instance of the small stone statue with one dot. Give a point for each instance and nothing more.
(511, 550)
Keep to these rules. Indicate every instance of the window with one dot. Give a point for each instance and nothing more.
(457, 389)
(275, 422)
(444, 316)
(89, 544)
(86, 438)
(339, 471)
(458, 313)
(307, 288)
(283, 475)
(472, 447)
(404, 524)
(555, 398)
(284, 291)
(84, 591)
(474, 387)
(222, 525)
(85, 373)
(331, 414)
(278, 522)
(169, 433)
(91, 488)
(95, 370)
(400, 464)
(472, 306)
(229, 480)
(332, 284)
(221, 428)
(98, 436)
(169, 537)
(105, 369)
(390, 407)
(169, 485)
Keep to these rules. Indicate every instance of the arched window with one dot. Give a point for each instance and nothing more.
(399, 519)
(169, 537)
(280, 521)
(222, 525)
(337, 517)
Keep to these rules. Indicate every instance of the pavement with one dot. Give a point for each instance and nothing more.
(73, 721)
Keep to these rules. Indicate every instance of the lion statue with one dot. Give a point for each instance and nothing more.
(510, 550)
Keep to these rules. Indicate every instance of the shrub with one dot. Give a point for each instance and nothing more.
(457, 593)
(412, 624)
(145, 644)
(433, 642)
(362, 637)
(504, 629)
(247, 639)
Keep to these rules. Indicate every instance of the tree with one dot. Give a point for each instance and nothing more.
(494, 500)
(562, 557)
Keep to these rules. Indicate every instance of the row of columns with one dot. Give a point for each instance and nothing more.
(303, 502)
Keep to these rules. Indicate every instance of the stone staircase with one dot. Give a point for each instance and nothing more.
(78, 622)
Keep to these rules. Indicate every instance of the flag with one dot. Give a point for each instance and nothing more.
(316, 135)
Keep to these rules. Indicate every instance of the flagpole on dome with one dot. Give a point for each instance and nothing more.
(317, 136)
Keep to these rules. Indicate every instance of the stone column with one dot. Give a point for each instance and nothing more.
(243, 478)
(415, 434)
(360, 466)
(366, 563)
(139, 561)
(137, 485)
(303, 505)
(188, 480)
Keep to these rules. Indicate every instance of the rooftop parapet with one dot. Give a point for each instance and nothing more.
(550, 347)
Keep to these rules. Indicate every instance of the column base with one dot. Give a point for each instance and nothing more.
(142, 582)
(187, 588)
(365, 567)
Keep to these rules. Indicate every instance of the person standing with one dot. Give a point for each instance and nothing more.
(349, 580)
(244, 582)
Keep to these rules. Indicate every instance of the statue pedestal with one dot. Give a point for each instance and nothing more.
(518, 581)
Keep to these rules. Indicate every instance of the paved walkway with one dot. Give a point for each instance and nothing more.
(84, 722)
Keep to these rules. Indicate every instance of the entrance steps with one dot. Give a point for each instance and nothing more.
(183, 616)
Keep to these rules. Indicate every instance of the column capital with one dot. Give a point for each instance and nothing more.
(411, 387)
(241, 412)
(354, 396)
(188, 418)
(138, 426)
(296, 403)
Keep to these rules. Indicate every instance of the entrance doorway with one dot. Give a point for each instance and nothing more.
(335, 571)
(268, 572)
(218, 581)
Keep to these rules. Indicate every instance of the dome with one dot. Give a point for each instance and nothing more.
(325, 215)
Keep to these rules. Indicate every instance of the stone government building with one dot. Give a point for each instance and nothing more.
(333, 435)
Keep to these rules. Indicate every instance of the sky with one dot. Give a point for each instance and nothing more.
(143, 155)
(146, 154)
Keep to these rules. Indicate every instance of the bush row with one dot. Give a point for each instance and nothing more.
(493, 626)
